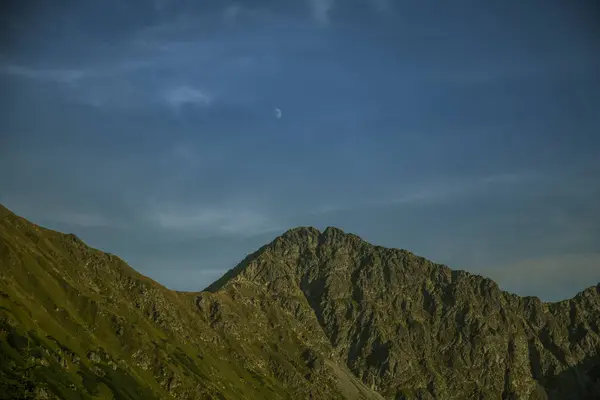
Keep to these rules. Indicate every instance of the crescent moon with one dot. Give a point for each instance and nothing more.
(278, 113)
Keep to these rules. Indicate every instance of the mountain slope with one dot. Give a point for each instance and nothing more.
(410, 328)
(312, 315)
(76, 323)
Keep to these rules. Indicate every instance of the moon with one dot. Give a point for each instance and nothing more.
(278, 113)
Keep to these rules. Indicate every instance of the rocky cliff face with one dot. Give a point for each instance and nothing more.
(412, 329)
(312, 315)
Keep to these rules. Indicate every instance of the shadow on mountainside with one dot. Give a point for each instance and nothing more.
(579, 382)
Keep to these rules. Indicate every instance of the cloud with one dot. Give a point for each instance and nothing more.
(82, 220)
(72, 75)
(188, 156)
(320, 10)
(60, 216)
(182, 95)
(451, 188)
(51, 75)
(381, 5)
(434, 191)
(210, 220)
(232, 12)
(160, 5)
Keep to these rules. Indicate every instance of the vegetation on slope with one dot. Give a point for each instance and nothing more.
(78, 323)
(321, 315)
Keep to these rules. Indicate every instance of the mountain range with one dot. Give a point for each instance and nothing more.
(311, 315)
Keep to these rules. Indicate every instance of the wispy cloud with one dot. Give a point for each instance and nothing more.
(433, 192)
(320, 10)
(56, 215)
(118, 84)
(160, 5)
(382, 6)
(51, 75)
(182, 95)
(211, 220)
(461, 187)
(68, 74)
(232, 12)
(82, 220)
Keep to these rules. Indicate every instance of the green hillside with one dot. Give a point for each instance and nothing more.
(312, 315)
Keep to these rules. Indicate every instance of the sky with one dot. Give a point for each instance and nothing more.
(182, 135)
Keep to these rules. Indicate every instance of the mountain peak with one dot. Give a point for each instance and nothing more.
(332, 231)
(300, 231)
(311, 234)
(294, 243)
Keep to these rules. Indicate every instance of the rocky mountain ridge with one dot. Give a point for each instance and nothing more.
(411, 328)
(311, 315)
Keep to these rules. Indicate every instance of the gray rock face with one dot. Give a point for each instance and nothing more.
(412, 329)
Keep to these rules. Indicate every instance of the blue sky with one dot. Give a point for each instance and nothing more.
(464, 131)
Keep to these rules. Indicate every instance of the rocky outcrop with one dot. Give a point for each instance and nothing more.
(410, 328)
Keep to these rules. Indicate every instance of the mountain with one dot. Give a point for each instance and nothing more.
(312, 315)
(414, 329)
(77, 323)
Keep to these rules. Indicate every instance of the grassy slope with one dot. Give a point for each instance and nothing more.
(79, 323)
(76, 323)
